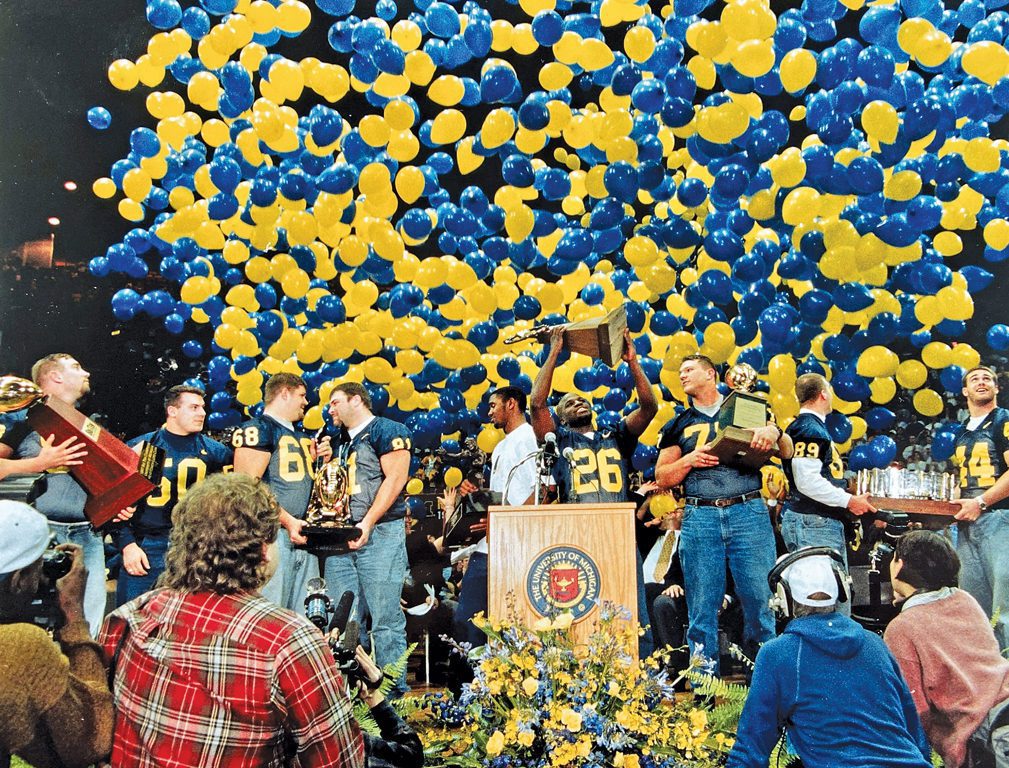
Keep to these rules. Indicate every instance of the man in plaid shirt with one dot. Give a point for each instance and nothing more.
(208, 673)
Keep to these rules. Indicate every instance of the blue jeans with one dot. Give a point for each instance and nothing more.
(984, 566)
(287, 587)
(472, 600)
(376, 573)
(801, 530)
(129, 587)
(741, 536)
(90, 542)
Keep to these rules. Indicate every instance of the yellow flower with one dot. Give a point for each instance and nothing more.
(620, 760)
(571, 720)
(563, 621)
(495, 744)
(526, 738)
(530, 686)
(542, 625)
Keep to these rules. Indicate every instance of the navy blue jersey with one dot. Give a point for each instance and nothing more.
(188, 459)
(55, 494)
(980, 455)
(811, 440)
(291, 471)
(691, 428)
(14, 428)
(597, 470)
(362, 456)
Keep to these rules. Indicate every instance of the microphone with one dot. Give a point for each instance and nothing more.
(351, 637)
(550, 444)
(568, 453)
(341, 616)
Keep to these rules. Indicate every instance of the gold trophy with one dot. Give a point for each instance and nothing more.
(328, 526)
(741, 412)
(601, 338)
(113, 475)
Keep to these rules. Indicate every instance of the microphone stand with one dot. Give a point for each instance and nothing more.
(544, 463)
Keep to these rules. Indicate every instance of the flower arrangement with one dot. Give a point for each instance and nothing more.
(540, 699)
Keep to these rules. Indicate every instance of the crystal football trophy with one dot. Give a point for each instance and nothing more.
(741, 412)
(112, 474)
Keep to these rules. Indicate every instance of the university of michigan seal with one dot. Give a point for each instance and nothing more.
(563, 579)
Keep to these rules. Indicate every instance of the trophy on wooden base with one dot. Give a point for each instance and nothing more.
(601, 338)
(112, 474)
(741, 412)
(328, 526)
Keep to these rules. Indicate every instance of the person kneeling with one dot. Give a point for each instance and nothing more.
(831, 685)
(948, 653)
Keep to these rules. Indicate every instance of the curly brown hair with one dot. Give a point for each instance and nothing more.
(218, 533)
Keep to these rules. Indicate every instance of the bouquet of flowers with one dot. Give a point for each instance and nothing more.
(542, 699)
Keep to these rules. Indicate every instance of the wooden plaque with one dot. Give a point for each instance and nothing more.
(913, 507)
(732, 446)
(568, 555)
(601, 338)
(113, 475)
(745, 410)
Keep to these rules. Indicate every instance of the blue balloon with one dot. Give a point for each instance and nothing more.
(164, 14)
(99, 118)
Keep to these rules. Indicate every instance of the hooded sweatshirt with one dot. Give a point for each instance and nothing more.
(839, 693)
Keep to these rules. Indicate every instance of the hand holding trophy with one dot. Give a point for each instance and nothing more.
(328, 526)
(742, 413)
(112, 474)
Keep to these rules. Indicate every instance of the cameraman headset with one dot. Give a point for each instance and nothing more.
(55, 704)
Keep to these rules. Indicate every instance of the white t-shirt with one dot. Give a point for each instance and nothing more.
(515, 446)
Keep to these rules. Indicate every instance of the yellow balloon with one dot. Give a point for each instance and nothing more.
(136, 184)
(986, 60)
(123, 74)
(877, 361)
(754, 58)
(883, 390)
(414, 486)
(498, 127)
(911, 374)
(488, 439)
(965, 356)
(448, 126)
(880, 121)
(104, 188)
(936, 355)
(928, 402)
(798, 68)
(453, 477)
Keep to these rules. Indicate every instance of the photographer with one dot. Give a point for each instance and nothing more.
(398, 746)
(55, 705)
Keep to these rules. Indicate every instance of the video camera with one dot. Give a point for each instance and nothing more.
(45, 609)
(343, 644)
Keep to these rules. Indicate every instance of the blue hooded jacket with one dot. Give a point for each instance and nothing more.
(839, 692)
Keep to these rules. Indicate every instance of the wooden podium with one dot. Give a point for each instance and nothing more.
(561, 557)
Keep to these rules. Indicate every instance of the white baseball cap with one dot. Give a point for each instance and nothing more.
(809, 576)
(24, 535)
